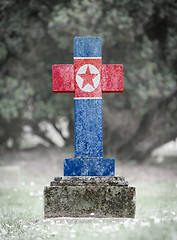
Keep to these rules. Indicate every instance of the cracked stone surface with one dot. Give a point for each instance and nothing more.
(89, 197)
(89, 180)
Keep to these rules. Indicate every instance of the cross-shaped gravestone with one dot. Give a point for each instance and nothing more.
(87, 78)
(88, 187)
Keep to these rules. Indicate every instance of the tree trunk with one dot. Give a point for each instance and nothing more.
(156, 127)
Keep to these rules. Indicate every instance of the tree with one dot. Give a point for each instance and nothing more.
(141, 35)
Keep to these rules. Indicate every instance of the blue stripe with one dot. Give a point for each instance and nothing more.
(88, 159)
(89, 167)
(87, 47)
(88, 128)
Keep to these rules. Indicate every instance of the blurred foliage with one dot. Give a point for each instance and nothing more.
(36, 34)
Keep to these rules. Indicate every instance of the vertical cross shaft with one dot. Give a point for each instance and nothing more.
(88, 112)
(88, 99)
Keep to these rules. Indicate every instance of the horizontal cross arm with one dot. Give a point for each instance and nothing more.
(112, 78)
(63, 78)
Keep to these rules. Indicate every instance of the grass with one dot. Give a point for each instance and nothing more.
(21, 216)
(21, 202)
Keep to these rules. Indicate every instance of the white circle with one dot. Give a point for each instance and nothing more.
(96, 80)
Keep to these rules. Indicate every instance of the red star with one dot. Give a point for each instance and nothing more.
(88, 77)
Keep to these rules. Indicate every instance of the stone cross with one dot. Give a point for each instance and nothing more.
(88, 78)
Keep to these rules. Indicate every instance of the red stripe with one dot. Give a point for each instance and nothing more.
(63, 78)
(112, 78)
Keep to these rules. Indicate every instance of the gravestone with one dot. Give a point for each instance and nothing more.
(89, 187)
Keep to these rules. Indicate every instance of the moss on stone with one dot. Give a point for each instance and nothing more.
(103, 200)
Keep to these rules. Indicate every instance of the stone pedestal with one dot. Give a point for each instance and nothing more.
(89, 197)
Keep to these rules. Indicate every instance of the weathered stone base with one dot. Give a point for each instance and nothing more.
(89, 197)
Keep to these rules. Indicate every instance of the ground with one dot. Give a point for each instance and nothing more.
(24, 174)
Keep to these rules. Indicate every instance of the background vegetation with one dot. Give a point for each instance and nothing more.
(139, 34)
